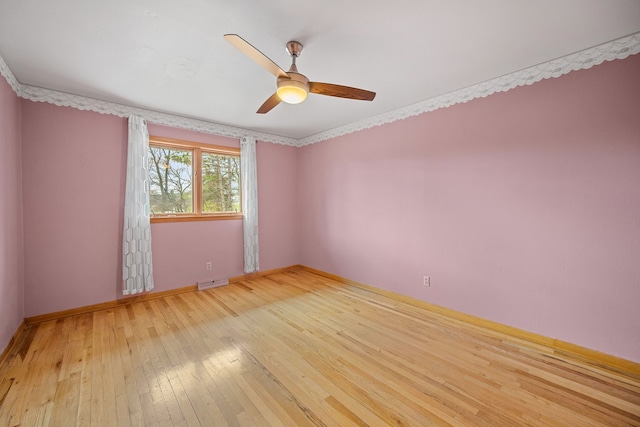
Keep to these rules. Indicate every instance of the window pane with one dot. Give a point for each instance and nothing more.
(220, 183)
(170, 173)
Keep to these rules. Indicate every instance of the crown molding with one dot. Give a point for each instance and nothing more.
(9, 77)
(617, 49)
(62, 99)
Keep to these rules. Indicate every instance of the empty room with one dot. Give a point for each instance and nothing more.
(279, 213)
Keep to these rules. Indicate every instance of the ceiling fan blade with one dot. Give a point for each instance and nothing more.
(329, 89)
(269, 104)
(263, 60)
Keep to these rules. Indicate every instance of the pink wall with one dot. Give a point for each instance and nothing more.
(277, 205)
(181, 250)
(73, 177)
(523, 207)
(11, 267)
(73, 185)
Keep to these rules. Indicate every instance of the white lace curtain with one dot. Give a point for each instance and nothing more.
(137, 268)
(249, 178)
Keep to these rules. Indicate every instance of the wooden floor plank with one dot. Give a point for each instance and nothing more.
(297, 349)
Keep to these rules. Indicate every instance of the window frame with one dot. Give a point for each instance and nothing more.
(196, 148)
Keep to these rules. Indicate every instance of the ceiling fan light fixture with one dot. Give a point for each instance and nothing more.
(292, 91)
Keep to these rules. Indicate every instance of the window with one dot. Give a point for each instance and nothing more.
(191, 181)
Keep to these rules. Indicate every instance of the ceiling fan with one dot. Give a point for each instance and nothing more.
(293, 87)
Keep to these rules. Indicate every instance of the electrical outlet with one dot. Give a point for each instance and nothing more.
(209, 265)
(426, 281)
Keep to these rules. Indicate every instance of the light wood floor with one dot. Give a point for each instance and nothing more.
(296, 349)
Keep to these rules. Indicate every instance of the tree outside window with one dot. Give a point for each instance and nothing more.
(170, 176)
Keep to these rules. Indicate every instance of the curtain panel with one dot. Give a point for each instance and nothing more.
(137, 266)
(249, 178)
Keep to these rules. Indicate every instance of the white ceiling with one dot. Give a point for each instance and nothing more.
(170, 56)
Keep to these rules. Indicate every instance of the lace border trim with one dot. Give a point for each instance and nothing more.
(617, 49)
